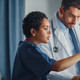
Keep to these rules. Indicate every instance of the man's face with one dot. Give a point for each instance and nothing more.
(70, 17)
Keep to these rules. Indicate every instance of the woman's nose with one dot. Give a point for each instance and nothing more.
(49, 32)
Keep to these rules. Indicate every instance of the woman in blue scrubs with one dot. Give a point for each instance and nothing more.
(30, 62)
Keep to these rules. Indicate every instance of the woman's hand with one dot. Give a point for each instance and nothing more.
(76, 77)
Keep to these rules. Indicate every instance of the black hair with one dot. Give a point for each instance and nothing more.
(32, 20)
(66, 4)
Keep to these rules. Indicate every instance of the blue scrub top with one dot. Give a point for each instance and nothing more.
(31, 63)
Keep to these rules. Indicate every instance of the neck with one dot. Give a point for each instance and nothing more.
(32, 40)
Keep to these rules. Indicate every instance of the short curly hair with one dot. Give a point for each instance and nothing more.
(32, 20)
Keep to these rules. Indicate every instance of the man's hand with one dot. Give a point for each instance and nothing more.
(76, 77)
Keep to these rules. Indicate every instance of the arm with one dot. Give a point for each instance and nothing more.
(63, 75)
(65, 63)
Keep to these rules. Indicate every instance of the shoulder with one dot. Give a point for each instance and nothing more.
(25, 47)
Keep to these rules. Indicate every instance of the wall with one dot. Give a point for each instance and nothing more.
(47, 6)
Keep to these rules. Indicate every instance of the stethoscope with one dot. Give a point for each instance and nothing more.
(55, 49)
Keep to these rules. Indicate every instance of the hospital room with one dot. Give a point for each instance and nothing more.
(60, 45)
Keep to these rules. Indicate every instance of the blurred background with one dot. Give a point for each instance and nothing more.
(12, 13)
(49, 7)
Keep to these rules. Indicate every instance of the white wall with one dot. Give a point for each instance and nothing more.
(47, 6)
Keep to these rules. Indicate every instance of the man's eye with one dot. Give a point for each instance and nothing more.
(72, 16)
(78, 17)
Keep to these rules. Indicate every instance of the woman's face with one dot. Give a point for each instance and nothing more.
(43, 34)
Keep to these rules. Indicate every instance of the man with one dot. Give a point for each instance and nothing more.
(61, 44)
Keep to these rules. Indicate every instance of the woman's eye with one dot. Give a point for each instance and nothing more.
(45, 28)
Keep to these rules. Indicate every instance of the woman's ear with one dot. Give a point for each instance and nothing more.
(32, 30)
